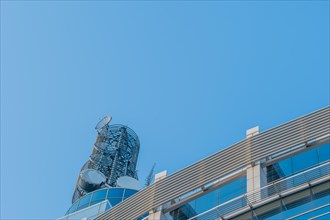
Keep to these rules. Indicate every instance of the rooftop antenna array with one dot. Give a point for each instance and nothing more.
(114, 155)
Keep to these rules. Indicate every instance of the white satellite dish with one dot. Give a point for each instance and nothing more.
(91, 179)
(105, 121)
(128, 182)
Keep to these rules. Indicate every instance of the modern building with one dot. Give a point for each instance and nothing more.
(281, 173)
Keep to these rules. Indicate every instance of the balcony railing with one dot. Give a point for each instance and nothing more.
(266, 193)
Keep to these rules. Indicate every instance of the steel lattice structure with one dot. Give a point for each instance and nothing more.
(115, 154)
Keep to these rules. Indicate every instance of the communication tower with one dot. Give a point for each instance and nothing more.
(112, 162)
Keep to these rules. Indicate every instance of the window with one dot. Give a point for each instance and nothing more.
(84, 201)
(73, 207)
(116, 192)
(129, 192)
(298, 163)
(306, 204)
(225, 193)
(115, 201)
(324, 152)
(99, 196)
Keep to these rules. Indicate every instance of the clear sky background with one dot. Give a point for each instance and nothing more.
(188, 77)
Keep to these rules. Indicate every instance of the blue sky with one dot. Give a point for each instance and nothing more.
(188, 77)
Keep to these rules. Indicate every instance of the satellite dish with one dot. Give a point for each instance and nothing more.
(91, 179)
(104, 122)
(128, 182)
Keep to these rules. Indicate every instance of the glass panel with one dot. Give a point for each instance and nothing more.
(96, 201)
(116, 192)
(182, 213)
(285, 167)
(99, 195)
(129, 192)
(321, 190)
(205, 202)
(84, 201)
(295, 202)
(226, 192)
(309, 159)
(279, 170)
(272, 210)
(314, 212)
(108, 206)
(114, 201)
(294, 164)
(73, 207)
(232, 190)
(326, 216)
(304, 206)
(324, 152)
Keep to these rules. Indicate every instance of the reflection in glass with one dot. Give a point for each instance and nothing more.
(84, 201)
(294, 206)
(114, 201)
(304, 160)
(298, 163)
(116, 192)
(324, 152)
(232, 190)
(207, 201)
(129, 192)
(73, 207)
(313, 212)
(99, 195)
(324, 216)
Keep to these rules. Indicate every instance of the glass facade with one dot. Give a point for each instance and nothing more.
(226, 192)
(281, 177)
(310, 203)
(113, 195)
(298, 163)
(306, 204)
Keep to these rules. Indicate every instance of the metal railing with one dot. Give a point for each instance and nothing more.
(274, 189)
